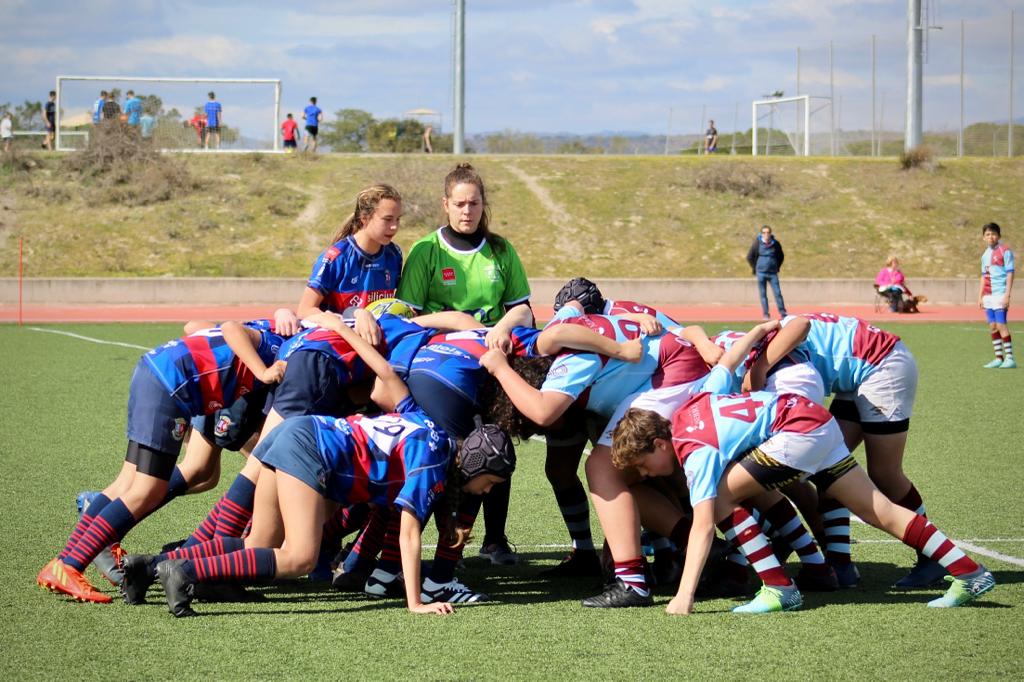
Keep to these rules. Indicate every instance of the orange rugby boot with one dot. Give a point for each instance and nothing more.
(57, 576)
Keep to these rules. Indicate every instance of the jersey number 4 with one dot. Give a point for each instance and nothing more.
(744, 410)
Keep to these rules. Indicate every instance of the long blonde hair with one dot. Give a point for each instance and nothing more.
(366, 203)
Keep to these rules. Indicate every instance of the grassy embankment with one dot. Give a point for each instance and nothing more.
(256, 215)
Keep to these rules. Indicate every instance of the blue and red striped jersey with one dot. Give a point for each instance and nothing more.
(203, 374)
(348, 277)
(396, 459)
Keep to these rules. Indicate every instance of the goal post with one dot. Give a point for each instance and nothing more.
(251, 110)
(801, 144)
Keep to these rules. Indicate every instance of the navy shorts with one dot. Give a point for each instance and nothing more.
(290, 144)
(451, 410)
(231, 427)
(155, 419)
(314, 383)
(291, 448)
(313, 130)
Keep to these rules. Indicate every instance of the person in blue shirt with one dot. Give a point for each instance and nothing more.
(97, 108)
(765, 258)
(133, 108)
(313, 115)
(214, 121)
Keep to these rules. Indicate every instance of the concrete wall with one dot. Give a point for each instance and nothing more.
(244, 291)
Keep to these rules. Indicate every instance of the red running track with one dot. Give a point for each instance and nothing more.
(683, 313)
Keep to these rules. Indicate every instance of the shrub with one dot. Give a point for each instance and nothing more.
(921, 156)
(735, 178)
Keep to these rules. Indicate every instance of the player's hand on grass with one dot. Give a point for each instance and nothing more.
(631, 351)
(438, 608)
(366, 326)
(679, 606)
(274, 373)
(498, 339)
(493, 360)
(285, 322)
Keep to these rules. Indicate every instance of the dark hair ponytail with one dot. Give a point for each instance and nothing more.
(465, 174)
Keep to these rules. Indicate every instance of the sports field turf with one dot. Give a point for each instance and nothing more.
(62, 430)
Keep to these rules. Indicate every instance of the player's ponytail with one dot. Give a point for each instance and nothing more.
(465, 174)
(447, 517)
(366, 203)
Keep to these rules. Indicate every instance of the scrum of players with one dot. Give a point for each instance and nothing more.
(366, 418)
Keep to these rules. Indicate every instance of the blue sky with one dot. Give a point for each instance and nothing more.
(581, 66)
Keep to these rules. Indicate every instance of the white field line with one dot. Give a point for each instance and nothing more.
(88, 338)
(991, 553)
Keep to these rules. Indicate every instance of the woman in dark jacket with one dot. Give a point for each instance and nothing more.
(765, 258)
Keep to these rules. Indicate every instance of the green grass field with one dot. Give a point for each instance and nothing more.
(63, 403)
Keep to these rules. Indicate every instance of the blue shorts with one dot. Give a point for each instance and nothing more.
(231, 427)
(995, 315)
(291, 448)
(314, 383)
(451, 410)
(155, 419)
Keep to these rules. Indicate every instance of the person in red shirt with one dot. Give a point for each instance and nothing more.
(198, 122)
(288, 130)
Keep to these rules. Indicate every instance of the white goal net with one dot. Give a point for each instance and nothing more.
(792, 126)
(172, 112)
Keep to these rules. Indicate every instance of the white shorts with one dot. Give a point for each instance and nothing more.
(800, 378)
(808, 452)
(887, 395)
(665, 401)
(993, 301)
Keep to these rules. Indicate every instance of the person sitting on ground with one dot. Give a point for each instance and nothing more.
(891, 284)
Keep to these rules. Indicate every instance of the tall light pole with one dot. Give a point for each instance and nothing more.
(459, 82)
(912, 135)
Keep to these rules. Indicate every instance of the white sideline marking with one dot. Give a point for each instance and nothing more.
(991, 553)
(88, 338)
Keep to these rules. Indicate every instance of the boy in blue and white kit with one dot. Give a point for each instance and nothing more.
(213, 111)
(313, 115)
(994, 295)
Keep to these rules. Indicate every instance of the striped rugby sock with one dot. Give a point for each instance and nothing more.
(574, 506)
(743, 530)
(246, 564)
(933, 543)
(997, 345)
(631, 573)
(107, 527)
(782, 516)
(836, 519)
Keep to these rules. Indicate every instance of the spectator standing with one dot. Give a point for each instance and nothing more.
(213, 112)
(146, 123)
(198, 123)
(313, 116)
(711, 138)
(133, 109)
(997, 270)
(50, 120)
(6, 131)
(427, 147)
(765, 258)
(97, 108)
(111, 109)
(288, 131)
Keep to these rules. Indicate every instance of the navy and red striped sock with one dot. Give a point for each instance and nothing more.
(235, 508)
(371, 540)
(204, 549)
(107, 527)
(447, 556)
(90, 513)
(245, 564)
(390, 553)
(175, 487)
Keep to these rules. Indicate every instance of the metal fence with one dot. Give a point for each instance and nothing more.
(973, 96)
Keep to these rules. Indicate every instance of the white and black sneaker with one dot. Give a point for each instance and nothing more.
(453, 592)
(382, 584)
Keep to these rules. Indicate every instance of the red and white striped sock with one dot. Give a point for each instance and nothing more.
(933, 543)
(1007, 346)
(997, 345)
(631, 572)
(744, 531)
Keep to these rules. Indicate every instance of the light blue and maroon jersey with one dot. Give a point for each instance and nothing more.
(598, 383)
(626, 307)
(398, 459)
(844, 350)
(710, 431)
(400, 340)
(996, 264)
(726, 339)
(203, 374)
(454, 358)
(348, 277)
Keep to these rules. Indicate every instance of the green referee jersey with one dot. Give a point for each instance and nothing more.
(480, 281)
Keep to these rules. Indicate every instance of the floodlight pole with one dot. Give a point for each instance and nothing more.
(1009, 130)
(912, 136)
(459, 132)
(277, 115)
(56, 118)
(960, 139)
(874, 111)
